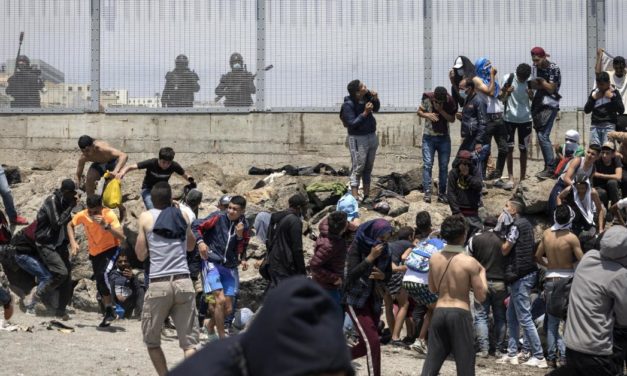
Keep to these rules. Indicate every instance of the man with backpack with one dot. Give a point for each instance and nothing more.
(560, 247)
(517, 96)
(285, 241)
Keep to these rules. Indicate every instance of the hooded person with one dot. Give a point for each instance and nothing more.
(367, 264)
(462, 68)
(463, 190)
(597, 306)
(296, 332)
(585, 202)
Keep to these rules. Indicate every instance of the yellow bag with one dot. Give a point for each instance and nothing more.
(112, 194)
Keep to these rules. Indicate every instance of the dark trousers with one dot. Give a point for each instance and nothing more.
(608, 191)
(366, 323)
(101, 264)
(58, 263)
(620, 346)
(580, 364)
(497, 129)
(450, 332)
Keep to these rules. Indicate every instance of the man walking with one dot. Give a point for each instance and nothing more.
(104, 234)
(165, 236)
(560, 247)
(452, 275)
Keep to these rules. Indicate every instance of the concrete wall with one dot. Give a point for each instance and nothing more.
(234, 141)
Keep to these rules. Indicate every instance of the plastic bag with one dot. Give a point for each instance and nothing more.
(112, 194)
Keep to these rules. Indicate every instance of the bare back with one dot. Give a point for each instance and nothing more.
(463, 274)
(101, 153)
(562, 249)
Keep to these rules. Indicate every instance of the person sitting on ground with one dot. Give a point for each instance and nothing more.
(368, 262)
(618, 210)
(104, 158)
(581, 165)
(562, 249)
(464, 190)
(486, 246)
(104, 234)
(395, 291)
(605, 104)
(296, 332)
(438, 109)
(597, 306)
(452, 276)
(157, 169)
(608, 175)
(127, 291)
(585, 202)
(565, 152)
(327, 263)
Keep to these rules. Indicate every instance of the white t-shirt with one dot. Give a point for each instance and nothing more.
(622, 204)
(494, 105)
(621, 85)
(188, 212)
(518, 104)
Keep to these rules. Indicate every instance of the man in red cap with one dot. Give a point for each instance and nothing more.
(545, 104)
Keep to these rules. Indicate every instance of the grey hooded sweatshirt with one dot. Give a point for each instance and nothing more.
(598, 296)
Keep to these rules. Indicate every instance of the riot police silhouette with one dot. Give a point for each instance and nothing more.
(180, 85)
(237, 86)
(25, 84)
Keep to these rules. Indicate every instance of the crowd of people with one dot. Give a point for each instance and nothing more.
(473, 288)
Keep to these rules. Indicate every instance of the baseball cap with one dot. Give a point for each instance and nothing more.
(193, 197)
(348, 204)
(572, 136)
(538, 51)
(458, 63)
(464, 154)
(68, 185)
(608, 145)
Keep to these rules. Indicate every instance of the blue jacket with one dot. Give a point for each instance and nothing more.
(354, 121)
(218, 232)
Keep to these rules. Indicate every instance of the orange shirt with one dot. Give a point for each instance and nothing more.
(98, 239)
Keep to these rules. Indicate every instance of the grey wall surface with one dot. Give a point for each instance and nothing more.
(234, 141)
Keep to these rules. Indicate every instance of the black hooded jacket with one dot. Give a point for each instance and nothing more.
(52, 217)
(285, 245)
(463, 192)
(297, 332)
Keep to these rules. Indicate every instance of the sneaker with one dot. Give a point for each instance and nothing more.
(420, 346)
(545, 174)
(19, 220)
(506, 359)
(427, 197)
(535, 362)
(493, 175)
(168, 324)
(562, 362)
(442, 199)
(31, 299)
(523, 356)
(504, 184)
(398, 343)
(408, 340)
(109, 315)
(552, 363)
(63, 315)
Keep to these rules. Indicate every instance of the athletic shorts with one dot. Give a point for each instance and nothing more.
(221, 278)
(420, 293)
(524, 135)
(102, 167)
(210, 278)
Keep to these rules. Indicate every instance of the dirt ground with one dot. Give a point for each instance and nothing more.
(119, 350)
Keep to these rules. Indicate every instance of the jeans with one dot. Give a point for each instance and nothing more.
(7, 198)
(363, 149)
(495, 299)
(608, 191)
(34, 267)
(598, 135)
(543, 124)
(519, 314)
(553, 338)
(431, 145)
(147, 197)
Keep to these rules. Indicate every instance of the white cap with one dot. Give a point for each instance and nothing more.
(572, 135)
(458, 63)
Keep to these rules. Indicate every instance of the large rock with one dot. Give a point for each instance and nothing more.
(85, 296)
(536, 195)
(321, 200)
(397, 207)
(286, 187)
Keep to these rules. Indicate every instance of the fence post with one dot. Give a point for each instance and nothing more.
(427, 44)
(595, 26)
(260, 104)
(94, 104)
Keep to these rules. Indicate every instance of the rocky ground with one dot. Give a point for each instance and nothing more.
(119, 350)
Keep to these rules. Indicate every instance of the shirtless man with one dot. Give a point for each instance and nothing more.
(104, 158)
(452, 274)
(560, 247)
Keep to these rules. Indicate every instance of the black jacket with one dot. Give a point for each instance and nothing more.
(52, 219)
(520, 260)
(354, 121)
(463, 192)
(297, 332)
(285, 245)
(604, 110)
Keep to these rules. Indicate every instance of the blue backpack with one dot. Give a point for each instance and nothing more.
(419, 257)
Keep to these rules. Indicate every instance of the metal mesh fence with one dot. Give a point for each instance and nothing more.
(278, 55)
